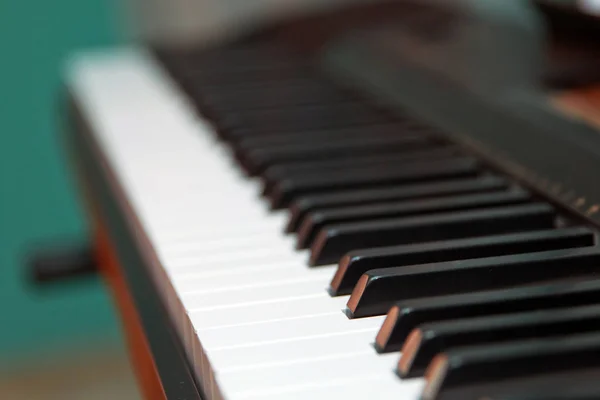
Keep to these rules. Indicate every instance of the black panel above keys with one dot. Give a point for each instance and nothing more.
(376, 176)
(405, 316)
(318, 220)
(378, 290)
(360, 156)
(356, 263)
(428, 340)
(298, 119)
(336, 240)
(257, 160)
(302, 206)
(502, 362)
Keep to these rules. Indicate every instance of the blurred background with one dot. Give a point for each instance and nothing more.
(61, 341)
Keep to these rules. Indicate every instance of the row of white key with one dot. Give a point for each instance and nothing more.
(256, 321)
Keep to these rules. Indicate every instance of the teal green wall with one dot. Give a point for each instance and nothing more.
(37, 200)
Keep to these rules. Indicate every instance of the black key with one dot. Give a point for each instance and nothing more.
(299, 119)
(301, 207)
(432, 152)
(240, 60)
(318, 220)
(502, 362)
(265, 73)
(577, 384)
(249, 142)
(286, 190)
(365, 157)
(239, 56)
(336, 240)
(563, 393)
(246, 92)
(377, 290)
(428, 340)
(257, 160)
(403, 317)
(574, 384)
(205, 94)
(282, 94)
(357, 262)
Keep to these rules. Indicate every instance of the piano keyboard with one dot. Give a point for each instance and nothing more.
(309, 245)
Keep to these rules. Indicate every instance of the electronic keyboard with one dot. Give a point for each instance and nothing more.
(348, 218)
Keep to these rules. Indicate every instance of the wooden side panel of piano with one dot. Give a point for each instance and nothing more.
(155, 350)
(139, 350)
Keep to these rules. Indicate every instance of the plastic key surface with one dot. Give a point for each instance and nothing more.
(304, 204)
(319, 220)
(354, 264)
(406, 315)
(377, 290)
(336, 240)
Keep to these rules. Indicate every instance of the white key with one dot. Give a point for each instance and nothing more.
(220, 244)
(340, 368)
(253, 294)
(191, 284)
(373, 387)
(280, 353)
(283, 330)
(244, 256)
(269, 310)
(231, 267)
(255, 321)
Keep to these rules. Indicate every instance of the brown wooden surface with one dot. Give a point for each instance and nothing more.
(139, 351)
(582, 104)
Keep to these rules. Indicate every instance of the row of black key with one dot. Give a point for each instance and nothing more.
(488, 289)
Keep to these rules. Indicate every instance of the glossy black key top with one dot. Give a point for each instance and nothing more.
(376, 176)
(345, 154)
(563, 393)
(356, 263)
(431, 152)
(397, 128)
(428, 340)
(574, 384)
(336, 240)
(377, 290)
(205, 94)
(282, 94)
(257, 160)
(318, 220)
(236, 57)
(248, 142)
(302, 118)
(303, 205)
(365, 157)
(502, 362)
(259, 73)
(404, 316)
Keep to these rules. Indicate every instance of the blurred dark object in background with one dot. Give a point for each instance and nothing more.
(65, 260)
(49, 338)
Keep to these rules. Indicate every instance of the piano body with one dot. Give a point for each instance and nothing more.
(384, 200)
